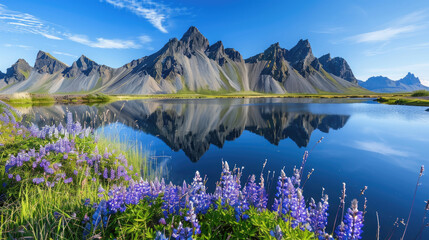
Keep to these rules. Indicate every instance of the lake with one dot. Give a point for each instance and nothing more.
(365, 144)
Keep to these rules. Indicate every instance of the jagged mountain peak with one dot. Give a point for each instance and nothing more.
(84, 63)
(233, 54)
(43, 55)
(337, 66)
(216, 52)
(301, 57)
(274, 50)
(325, 58)
(410, 79)
(18, 72)
(194, 40)
(301, 51)
(46, 63)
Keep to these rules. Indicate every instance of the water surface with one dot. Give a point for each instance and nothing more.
(365, 144)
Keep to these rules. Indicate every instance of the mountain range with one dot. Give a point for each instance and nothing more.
(190, 64)
(382, 84)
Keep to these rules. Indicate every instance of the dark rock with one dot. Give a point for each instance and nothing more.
(233, 54)
(46, 63)
(217, 53)
(301, 57)
(18, 72)
(337, 66)
(193, 40)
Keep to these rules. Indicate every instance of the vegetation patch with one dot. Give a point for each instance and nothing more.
(403, 101)
(420, 93)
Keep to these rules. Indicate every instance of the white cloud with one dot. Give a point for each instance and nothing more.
(330, 30)
(145, 39)
(24, 22)
(384, 34)
(103, 43)
(16, 45)
(407, 24)
(380, 148)
(154, 12)
(65, 54)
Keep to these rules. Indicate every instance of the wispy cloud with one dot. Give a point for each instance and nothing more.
(407, 24)
(156, 13)
(330, 30)
(145, 39)
(14, 21)
(24, 22)
(65, 54)
(16, 46)
(383, 50)
(384, 34)
(103, 43)
(380, 148)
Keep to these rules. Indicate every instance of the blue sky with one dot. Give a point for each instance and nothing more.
(383, 37)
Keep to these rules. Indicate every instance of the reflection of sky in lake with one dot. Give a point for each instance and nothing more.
(376, 145)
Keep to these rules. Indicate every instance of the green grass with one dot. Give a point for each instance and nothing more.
(25, 73)
(403, 101)
(37, 212)
(420, 93)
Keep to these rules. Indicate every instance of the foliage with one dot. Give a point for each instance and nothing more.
(420, 93)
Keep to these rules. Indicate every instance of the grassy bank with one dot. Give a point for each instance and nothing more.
(47, 99)
(416, 98)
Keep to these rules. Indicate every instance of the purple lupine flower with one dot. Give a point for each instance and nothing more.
(162, 221)
(10, 176)
(191, 217)
(277, 233)
(105, 174)
(182, 233)
(50, 184)
(354, 221)
(340, 231)
(112, 174)
(198, 195)
(38, 180)
(18, 178)
(171, 200)
(75, 172)
(318, 215)
(298, 210)
(68, 180)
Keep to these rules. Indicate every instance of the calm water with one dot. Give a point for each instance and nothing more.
(365, 144)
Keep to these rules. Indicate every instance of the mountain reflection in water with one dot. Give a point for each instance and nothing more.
(192, 126)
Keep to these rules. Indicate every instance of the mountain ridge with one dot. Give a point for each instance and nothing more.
(191, 64)
(383, 84)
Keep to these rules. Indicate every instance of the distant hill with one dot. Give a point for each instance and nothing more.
(382, 84)
(190, 64)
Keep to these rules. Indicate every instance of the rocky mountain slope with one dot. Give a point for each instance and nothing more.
(382, 84)
(190, 64)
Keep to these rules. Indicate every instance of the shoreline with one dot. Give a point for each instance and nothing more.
(23, 99)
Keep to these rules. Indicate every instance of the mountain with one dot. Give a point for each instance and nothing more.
(18, 72)
(382, 84)
(191, 64)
